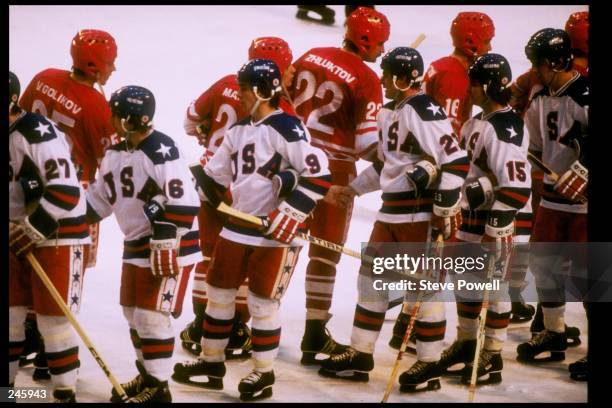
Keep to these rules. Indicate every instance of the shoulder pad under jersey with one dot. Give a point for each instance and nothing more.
(508, 127)
(241, 122)
(426, 107)
(35, 128)
(578, 90)
(159, 148)
(290, 127)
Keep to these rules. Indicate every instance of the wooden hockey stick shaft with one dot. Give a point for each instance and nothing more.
(60, 302)
(554, 176)
(417, 41)
(481, 329)
(314, 240)
(413, 315)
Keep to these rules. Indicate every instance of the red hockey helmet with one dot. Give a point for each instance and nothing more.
(577, 27)
(470, 31)
(366, 27)
(93, 51)
(272, 48)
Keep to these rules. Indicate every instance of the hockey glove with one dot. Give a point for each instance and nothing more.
(154, 209)
(33, 231)
(164, 249)
(572, 184)
(283, 223)
(284, 183)
(446, 215)
(479, 194)
(421, 176)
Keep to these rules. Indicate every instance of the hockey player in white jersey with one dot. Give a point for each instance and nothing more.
(497, 188)
(557, 120)
(420, 171)
(253, 151)
(46, 218)
(146, 183)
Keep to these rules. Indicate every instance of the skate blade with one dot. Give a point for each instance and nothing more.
(237, 354)
(579, 376)
(213, 383)
(349, 375)
(554, 356)
(249, 396)
(303, 15)
(494, 377)
(431, 385)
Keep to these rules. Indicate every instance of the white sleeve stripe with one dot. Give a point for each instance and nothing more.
(311, 194)
(366, 124)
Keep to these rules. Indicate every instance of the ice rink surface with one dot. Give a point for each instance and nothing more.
(177, 52)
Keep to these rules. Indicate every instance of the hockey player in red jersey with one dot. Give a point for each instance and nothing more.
(69, 99)
(337, 96)
(557, 120)
(146, 183)
(47, 219)
(253, 151)
(446, 79)
(208, 118)
(420, 169)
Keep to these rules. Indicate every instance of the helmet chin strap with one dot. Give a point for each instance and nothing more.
(259, 100)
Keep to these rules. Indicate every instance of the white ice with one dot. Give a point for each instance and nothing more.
(177, 52)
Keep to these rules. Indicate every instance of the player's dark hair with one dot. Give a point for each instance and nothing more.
(502, 97)
(350, 46)
(275, 101)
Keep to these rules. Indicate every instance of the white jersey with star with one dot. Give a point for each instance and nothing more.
(556, 121)
(497, 146)
(415, 129)
(39, 155)
(251, 154)
(130, 177)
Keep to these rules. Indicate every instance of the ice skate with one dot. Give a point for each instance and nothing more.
(317, 339)
(256, 386)
(183, 373)
(460, 352)
(351, 365)
(555, 343)
(490, 365)
(422, 376)
(132, 388)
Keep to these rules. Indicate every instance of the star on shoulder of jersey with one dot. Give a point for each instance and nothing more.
(43, 129)
(435, 110)
(512, 132)
(164, 150)
(300, 132)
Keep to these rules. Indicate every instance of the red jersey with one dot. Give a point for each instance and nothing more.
(337, 96)
(221, 106)
(447, 82)
(79, 110)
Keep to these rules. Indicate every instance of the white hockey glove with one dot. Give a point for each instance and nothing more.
(34, 230)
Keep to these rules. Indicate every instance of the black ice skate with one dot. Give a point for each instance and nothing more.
(239, 345)
(153, 391)
(317, 339)
(351, 365)
(325, 14)
(41, 368)
(256, 386)
(190, 339)
(579, 370)
(33, 343)
(183, 373)
(537, 326)
(132, 388)
(521, 311)
(64, 396)
(460, 352)
(422, 376)
(555, 343)
(399, 329)
(490, 365)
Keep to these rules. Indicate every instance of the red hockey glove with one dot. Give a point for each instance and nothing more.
(572, 184)
(283, 223)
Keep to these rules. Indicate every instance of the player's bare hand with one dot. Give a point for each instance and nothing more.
(341, 196)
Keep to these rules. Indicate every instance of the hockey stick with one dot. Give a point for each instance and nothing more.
(418, 41)
(60, 302)
(481, 327)
(402, 350)
(554, 176)
(314, 240)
